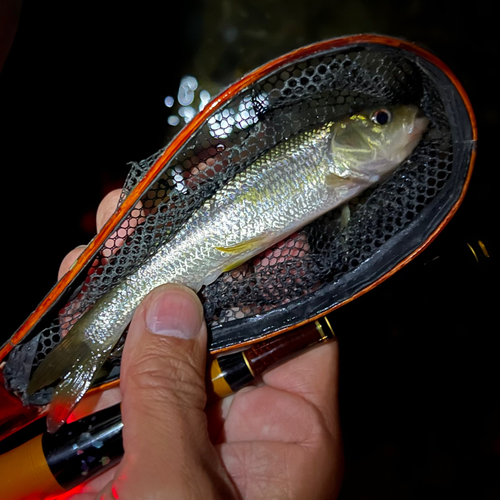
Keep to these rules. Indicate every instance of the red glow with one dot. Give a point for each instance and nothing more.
(114, 492)
(67, 495)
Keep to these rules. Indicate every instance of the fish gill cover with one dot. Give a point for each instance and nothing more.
(325, 263)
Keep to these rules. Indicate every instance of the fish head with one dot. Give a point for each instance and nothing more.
(373, 142)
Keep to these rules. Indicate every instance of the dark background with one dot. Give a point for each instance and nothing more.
(82, 93)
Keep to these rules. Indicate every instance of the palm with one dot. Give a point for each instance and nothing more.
(277, 434)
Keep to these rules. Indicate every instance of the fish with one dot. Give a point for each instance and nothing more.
(284, 189)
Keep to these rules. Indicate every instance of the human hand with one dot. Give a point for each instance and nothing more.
(278, 440)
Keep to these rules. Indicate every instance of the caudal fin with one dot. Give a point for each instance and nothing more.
(71, 389)
(75, 364)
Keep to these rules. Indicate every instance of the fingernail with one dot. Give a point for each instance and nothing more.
(174, 311)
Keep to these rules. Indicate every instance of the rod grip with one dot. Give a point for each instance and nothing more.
(25, 474)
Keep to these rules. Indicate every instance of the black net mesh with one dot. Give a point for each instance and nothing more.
(309, 271)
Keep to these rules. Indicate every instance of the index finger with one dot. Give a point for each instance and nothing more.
(107, 207)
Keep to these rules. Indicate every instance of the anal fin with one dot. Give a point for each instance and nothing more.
(256, 243)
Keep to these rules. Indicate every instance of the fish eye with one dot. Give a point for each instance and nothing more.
(381, 116)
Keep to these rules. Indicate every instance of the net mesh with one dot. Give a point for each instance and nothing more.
(304, 94)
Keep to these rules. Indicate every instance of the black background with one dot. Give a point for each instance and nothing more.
(81, 94)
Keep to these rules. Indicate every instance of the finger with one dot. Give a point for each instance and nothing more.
(69, 260)
(89, 489)
(314, 376)
(296, 425)
(166, 441)
(270, 414)
(107, 207)
(104, 211)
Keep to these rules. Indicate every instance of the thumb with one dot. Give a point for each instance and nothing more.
(164, 357)
(165, 437)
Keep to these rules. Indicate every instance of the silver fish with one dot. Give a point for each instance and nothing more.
(286, 188)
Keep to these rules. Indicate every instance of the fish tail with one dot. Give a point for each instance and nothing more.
(75, 363)
(75, 383)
